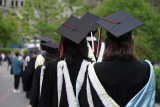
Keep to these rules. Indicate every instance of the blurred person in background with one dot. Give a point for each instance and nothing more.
(40, 58)
(28, 73)
(52, 52)
(16, 69)
(8, 59)
(0, 58)
(3, 57)
(20, 57)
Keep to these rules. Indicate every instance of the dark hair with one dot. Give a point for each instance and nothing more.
(119, 50)
(43, 47)
(49, 56)
(72, 49)
(17, 54)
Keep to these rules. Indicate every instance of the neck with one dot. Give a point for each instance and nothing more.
(42, 51)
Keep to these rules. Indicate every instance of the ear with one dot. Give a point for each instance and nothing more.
(40, 48)
(132, 38)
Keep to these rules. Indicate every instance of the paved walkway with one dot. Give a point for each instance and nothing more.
(7, 97)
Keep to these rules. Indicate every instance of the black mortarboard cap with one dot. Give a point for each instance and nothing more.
(45, 39)
(32, 49)
(119, 23)
(74, 29)
(37, 51)
(90, 18)
(51, 47)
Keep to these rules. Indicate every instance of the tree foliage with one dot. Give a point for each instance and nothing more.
(147, 36)
(155, 4)
(42, 17)
(10, 28)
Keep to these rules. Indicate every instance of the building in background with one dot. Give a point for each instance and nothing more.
(10, 4)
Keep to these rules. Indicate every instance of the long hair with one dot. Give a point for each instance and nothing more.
(72, 49)
(119, 50)
(48, 57)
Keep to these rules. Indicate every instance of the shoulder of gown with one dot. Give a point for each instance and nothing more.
(49, 86)
(28, 73)
(34, 97)
(122, 80)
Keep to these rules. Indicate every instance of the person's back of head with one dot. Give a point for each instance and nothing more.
(17, 54)
(42, 47)
(49, 56)
(72, 49)
(119, 50)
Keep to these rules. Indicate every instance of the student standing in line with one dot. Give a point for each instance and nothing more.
(16, 69)
(121, 76)
(3, 57)
(29, 72)
(52, 52)
(95, 47)
(9, 60)
(63, 79)
(40, 57)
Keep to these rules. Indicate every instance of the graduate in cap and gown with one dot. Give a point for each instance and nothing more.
(29, 71)
(25, 62)
(120, 77)
(27, 58)
(64, 79)
(52, 52)
(40, 57)
(95, 47)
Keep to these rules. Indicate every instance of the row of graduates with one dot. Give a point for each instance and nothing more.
(81, 73)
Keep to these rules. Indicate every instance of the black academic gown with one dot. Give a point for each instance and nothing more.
(49, 97)
(122, 80)
(28, 74)
(34, 97)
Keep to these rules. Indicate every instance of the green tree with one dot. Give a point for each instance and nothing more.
(155, 4)
(9, 29)
(147, 36)
(42, 17)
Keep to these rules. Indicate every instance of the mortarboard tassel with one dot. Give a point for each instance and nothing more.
(61, 47)
(92, 40)
(99, 42)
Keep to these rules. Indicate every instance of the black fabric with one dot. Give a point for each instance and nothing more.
(28, 74)
(16, 81)
(48, 92)
(49, 95)
(11, 71)
(122, 38)
(22, 77)
(122, 80)
(45, 39)
(125, 23)
(74, 29)
(91, 19)
(51, 47)
(34, 97)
